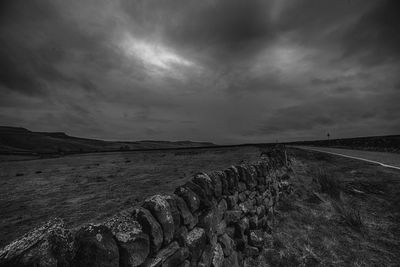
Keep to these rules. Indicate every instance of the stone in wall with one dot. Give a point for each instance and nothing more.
(242, 228)
(205, 201)
(209, 222)
(48, 245)
(246, 177)
(191, 199)
(133, 243)
(253, 222)
(186, 263)
(176, 215)
(180, 235)
(177, 258)
(227, 244)
(161, 210)
(259, 198)
(231, 261)
(221, 209)
(221, 228)
(256, 238)
(232, 200)
(188, 218)
(242, 187)
(232, 216)
(246, 206)
(251, 251)
(259, 173)
(162, 255)
(224, 182)
(234, 176)
(232, 180)
(96, 246)
(195, 242)
(216, 183)
(242, 196)
(217, 256)
(150, 226)
(206, 257)
(205, 182)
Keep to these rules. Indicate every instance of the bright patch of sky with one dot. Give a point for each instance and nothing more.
(153, 54)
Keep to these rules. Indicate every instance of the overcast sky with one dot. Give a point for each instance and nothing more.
(225, 71)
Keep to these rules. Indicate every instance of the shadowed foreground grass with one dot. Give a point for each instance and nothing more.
(342, 213)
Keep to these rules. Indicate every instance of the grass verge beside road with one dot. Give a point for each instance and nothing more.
(343, 212)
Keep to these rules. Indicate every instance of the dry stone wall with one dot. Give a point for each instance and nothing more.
(216, 219)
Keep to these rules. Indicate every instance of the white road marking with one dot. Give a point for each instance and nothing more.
(346, 156)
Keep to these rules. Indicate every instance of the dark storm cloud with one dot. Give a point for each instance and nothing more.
(376, 34)
(224, 71)
(34, 39)
(322, 114)
(225, 28)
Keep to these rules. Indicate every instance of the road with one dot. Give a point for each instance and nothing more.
(385, 159)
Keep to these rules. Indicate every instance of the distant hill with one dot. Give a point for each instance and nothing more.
(388, 143)
(17, 140)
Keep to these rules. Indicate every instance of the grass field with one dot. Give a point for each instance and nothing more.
(343, 212)
(90, 187)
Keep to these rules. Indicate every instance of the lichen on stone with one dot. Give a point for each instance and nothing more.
(195, 234)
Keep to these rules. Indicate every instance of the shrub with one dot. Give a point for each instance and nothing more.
(328, 183)
(350, 216)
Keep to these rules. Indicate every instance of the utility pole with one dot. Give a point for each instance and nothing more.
(329, 142)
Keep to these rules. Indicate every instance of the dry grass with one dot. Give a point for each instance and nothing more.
(350, 216)
(326, 223)
(328, 183)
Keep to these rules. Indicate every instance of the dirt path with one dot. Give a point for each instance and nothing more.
(389, 160)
